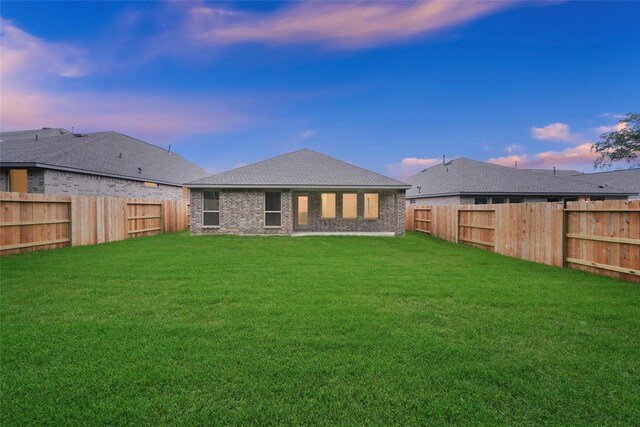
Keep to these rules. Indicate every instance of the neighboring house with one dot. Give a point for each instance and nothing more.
(627, 180)
(298, 193)
(56, 161)
(464, 181)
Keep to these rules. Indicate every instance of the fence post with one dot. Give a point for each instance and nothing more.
(564, 235)
(457, 222)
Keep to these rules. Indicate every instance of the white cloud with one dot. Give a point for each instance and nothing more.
(606, 129)
(579, 157)
(553, 132)
(410, 165)
(514, 148)
(339, 24)
(309, 133)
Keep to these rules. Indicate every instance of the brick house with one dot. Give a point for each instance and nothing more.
(300, 193)
(56, 161)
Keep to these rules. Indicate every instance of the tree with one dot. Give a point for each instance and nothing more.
(621, 144)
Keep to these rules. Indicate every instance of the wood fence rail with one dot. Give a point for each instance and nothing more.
(31, 222)
(602, 237)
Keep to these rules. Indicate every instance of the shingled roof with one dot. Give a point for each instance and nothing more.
(471, 177)
(300, 169)
(32, 134)
(627, 179)
(101, 153)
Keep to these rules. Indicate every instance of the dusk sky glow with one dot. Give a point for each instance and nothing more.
(389, 86)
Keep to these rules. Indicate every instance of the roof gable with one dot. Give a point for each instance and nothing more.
(302, 168)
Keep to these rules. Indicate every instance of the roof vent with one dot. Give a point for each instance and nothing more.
(140, 171)
(78, 135)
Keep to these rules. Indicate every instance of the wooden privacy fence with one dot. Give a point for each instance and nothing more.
(31, 222)
(602, 237)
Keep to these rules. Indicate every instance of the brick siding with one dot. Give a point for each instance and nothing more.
(242, 212)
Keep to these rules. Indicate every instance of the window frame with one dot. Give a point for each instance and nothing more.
(264, 216)
(335, 207)
(209, 210)
(356, 206)
(364, 206)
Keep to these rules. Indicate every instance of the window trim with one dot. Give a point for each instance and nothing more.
(264, 216)
(364, 207)
(356, 211)
(335, 207)
(205, 211)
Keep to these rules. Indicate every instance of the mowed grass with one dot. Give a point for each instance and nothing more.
(174, 329)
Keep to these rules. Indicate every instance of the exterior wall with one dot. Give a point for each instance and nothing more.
(391, 207)
(4, 179)
(36, 181)
(242, 212)
(61, 182)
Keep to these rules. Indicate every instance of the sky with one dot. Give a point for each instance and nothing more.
(389, 86)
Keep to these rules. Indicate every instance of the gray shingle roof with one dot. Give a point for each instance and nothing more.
(627, 180)
(100, 153)
(300, 169)
(31, 134)
(466, 176)
(557, 172)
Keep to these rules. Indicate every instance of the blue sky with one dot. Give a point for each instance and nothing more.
(391, 86)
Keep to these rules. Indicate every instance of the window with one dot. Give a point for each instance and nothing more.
(593, 199)
(151, 184)
(18, 180)
(272, 209)
(211, 209)
(572, 199)
(497, 200)
(349, 205)
(371, 205)
(328, 205)
(553, 199)
(481, 200)
(515, 199)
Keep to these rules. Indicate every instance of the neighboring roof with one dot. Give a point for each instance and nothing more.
(101, 153)
(556, 172)
(32, 134)
(628, 179)
(466, 176)
(300, 169)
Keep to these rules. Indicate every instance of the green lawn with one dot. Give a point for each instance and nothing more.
(174, 329)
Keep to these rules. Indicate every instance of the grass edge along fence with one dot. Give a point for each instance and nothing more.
(601, 237)
(30, 222)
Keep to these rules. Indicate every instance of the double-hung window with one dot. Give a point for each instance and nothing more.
(211, 209)
(272, 209)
